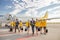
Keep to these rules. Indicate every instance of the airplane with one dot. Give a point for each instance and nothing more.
(8, 18)
(45, 17)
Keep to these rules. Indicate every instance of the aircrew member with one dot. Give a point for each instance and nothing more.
(12, 24)
(17, 23)
(32, 25)
(43, 25)
(37, 25)
(21, 26)
(28, 26)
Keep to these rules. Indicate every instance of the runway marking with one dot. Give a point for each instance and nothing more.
(6, 34)
(24, 38)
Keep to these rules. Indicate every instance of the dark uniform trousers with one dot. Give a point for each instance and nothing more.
(32, 26)
(16, 27)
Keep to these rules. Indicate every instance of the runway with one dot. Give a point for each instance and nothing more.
(53, 34)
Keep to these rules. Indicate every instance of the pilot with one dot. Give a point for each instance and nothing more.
(32, 25)
(16, 27)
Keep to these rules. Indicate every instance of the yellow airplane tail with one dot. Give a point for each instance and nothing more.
(46, 15)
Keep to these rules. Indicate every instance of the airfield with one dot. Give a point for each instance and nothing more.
(53, 34)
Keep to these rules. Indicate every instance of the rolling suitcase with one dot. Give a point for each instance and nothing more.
(21, 28)
(25, 29)
(11, 29)
(38, 29)
(46, 30)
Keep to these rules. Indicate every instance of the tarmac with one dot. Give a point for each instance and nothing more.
(53, 34)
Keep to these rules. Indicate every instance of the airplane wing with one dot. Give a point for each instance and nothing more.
(52, 18)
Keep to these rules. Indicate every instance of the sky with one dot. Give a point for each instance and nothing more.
(34, 8)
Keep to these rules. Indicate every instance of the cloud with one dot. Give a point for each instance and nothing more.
(33, 5)
(31, 12)
(17, 7)
(36, 8)
(54, 13)
(55, 9)
(8, 7)
(15, 12)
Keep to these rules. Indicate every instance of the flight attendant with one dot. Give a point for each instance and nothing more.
(43, 25)
(28, 26)
(21, 26)
(37, 25)
(12, 24)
